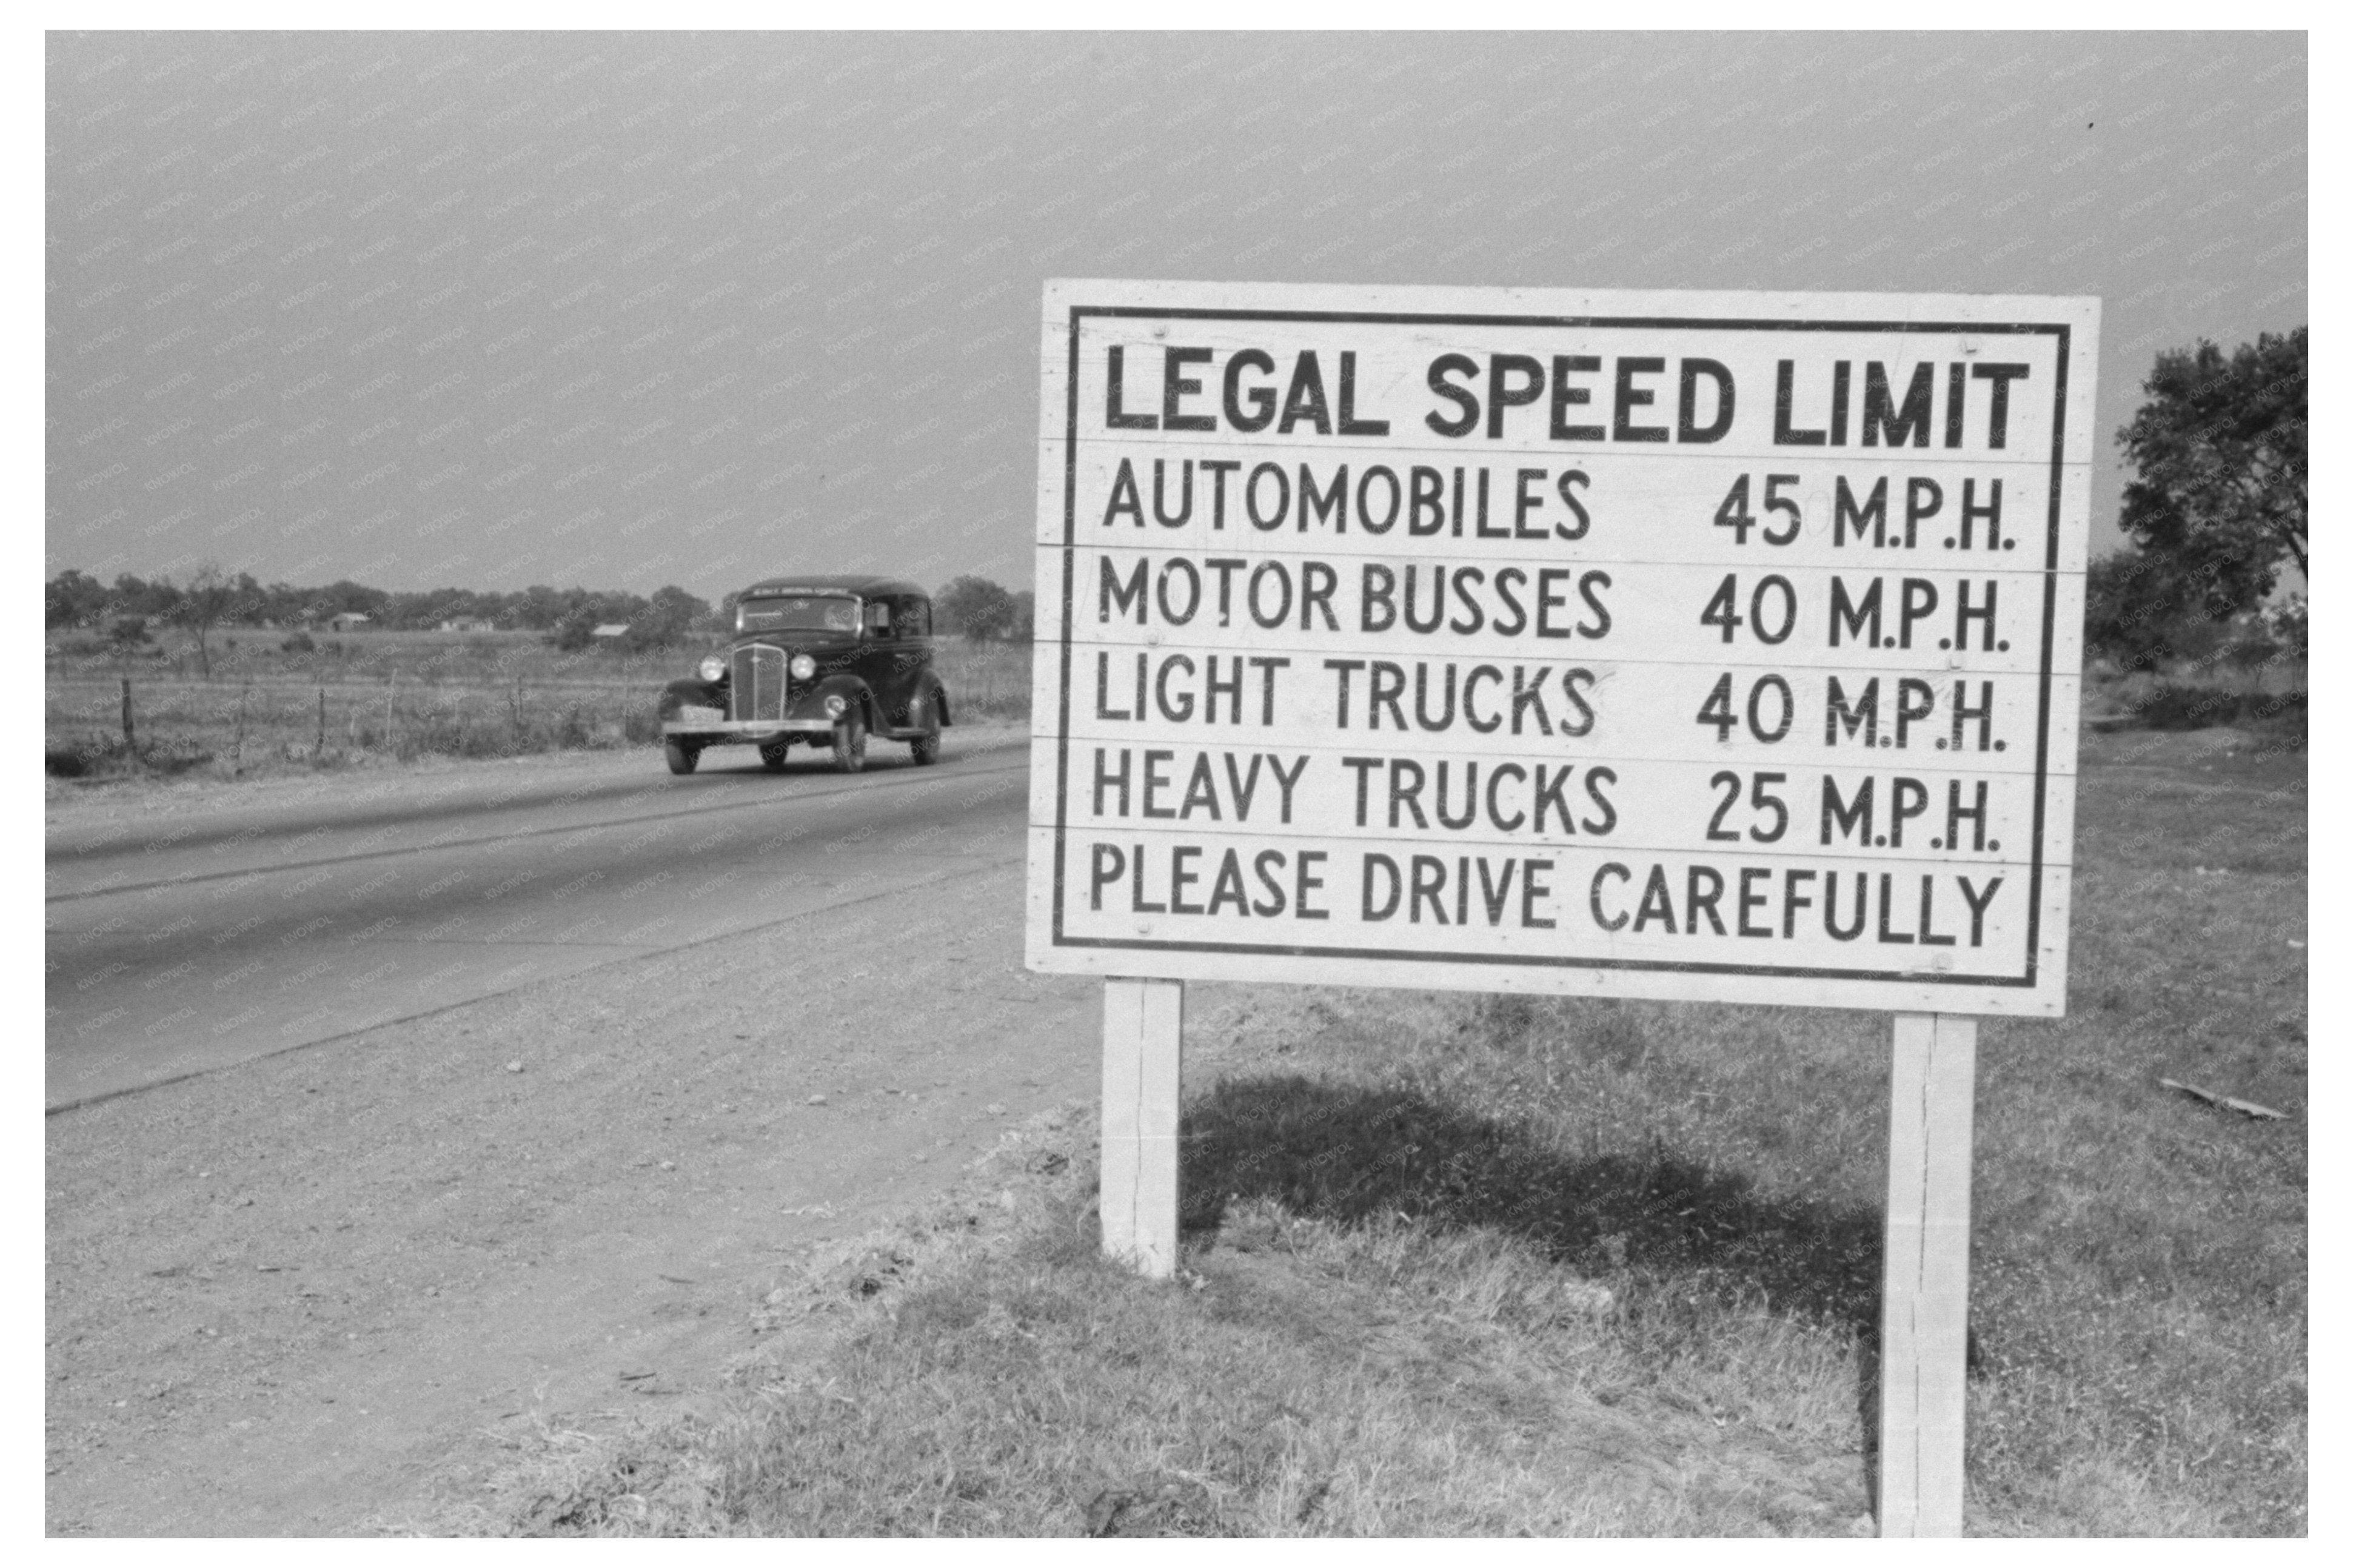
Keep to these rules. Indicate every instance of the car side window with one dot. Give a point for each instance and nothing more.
(915, 619)
(878, 617)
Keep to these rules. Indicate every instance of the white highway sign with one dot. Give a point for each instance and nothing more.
(1692, 645)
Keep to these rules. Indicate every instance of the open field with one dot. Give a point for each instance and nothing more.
(1490, 1266)
(369, 697)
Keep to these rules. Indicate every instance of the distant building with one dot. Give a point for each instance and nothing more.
(611, 629)
(349, 621)
(468, 623)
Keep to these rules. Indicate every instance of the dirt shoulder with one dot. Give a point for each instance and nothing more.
(92, 810)
(283, 1297)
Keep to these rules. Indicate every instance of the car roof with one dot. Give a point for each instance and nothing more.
(871, 587)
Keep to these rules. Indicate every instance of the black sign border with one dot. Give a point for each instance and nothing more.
(2058, 330)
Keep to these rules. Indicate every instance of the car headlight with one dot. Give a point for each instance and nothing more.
(803, 666)
(711, 669)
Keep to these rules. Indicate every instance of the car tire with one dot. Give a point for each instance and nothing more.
(850, 743)
(925, 747)
(772, 757)
(682, 758)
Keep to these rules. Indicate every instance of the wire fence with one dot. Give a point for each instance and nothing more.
(249, 725)
(154, 718)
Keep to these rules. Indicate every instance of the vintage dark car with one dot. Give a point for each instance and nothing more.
(821, 660)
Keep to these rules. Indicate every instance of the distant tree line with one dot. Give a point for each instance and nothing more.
(2216, 512)
(213, 597)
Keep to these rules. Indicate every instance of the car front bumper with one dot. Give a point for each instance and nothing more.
(727, 732)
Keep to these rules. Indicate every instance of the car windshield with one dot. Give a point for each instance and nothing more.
(797, 612)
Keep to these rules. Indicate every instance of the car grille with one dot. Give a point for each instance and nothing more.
(755, 685)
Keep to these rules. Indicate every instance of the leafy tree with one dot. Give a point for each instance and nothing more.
(575, 627)
(150, 600)
(210, 597)
(282, 604)
(2291, 626)
(539, 607)
(614, 606)
(426, 610)
(249, 601)
(982, 610)
(2222, 494)
(346, 597)
(74, 598)
(576, 631)
(2141, 610)
(669, 615)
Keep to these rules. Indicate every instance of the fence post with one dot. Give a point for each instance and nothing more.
(129, 740)
(236, 754)
(319, 752)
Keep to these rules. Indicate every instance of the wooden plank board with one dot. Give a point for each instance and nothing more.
(1310, 925)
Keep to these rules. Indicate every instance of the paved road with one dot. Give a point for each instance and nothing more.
(183, 942)
(338, 1249)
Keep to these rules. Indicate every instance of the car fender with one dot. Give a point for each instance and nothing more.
(848, 687)
(693, 692)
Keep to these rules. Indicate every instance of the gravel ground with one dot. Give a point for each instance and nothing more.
(296, 1295)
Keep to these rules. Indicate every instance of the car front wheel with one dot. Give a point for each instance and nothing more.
(772, 756)
(682, 758)
(850, 743)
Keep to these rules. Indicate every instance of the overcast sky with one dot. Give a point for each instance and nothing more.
(490, 309)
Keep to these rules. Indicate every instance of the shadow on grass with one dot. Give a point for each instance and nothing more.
(1349, 1154)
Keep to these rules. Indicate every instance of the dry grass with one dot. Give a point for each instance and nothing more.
(995, 1377)
(1486, 1265)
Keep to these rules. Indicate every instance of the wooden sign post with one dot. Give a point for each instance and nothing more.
(1925, 1302)
(1704, 647)
(1144, 1030)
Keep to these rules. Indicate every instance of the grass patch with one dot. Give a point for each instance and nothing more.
(2271, 704)
(106, 756)
(1498, 1264)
